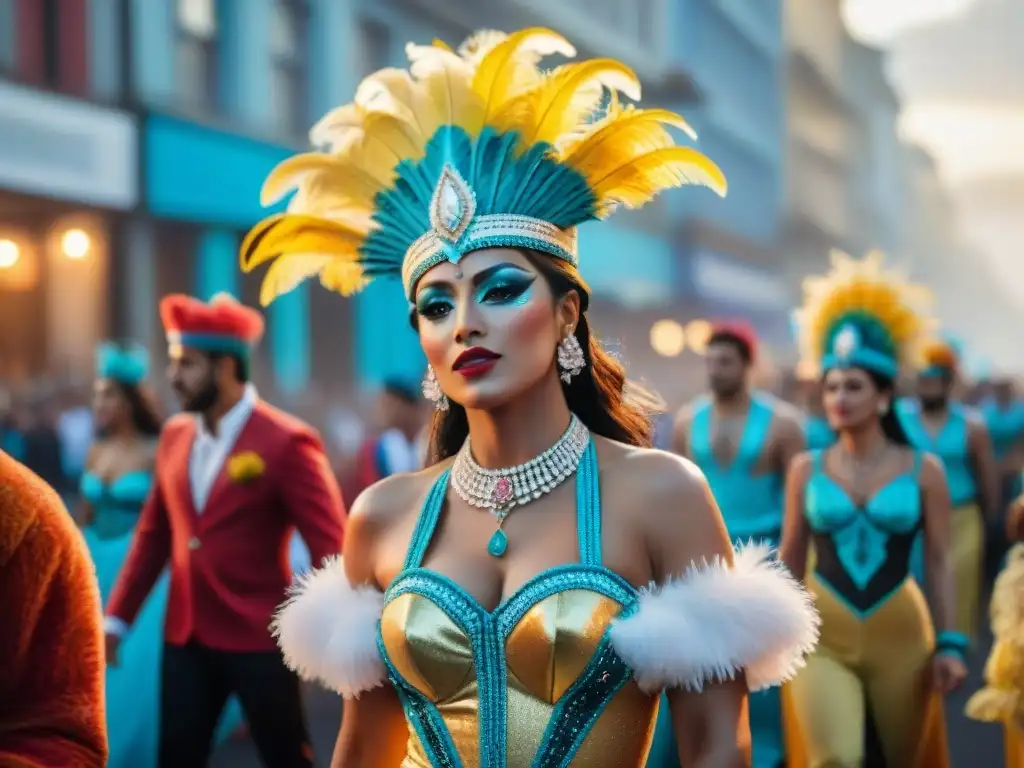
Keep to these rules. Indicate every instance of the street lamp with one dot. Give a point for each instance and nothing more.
(75, 244)
(9, 254)
(698, 332)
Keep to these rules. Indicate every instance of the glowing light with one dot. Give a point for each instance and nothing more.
(9, 254)
(878, 22)
(668, 338)
(697, 334)
(75, 244)
(806, 370)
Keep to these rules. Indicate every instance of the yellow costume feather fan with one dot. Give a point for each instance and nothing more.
(467, 149)
(861, 314)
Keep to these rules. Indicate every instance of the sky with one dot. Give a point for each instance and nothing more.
(958, 66)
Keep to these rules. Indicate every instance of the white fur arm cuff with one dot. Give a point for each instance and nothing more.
(327, 631)
(715, 622)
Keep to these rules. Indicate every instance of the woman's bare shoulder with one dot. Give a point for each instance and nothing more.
(377, 511)
(651, 472)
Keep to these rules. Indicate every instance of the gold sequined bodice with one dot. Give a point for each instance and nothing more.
(534, 682)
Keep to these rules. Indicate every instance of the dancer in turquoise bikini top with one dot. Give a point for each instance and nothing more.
(481, 618)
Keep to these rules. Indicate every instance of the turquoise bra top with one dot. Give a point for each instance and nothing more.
(750, 503)
(530, 683)
(951, 444)
(116, 504)
(863, 551)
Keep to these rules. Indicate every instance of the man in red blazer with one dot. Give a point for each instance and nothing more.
(234, 478)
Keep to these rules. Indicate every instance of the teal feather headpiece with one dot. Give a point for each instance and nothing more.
(128, 364)
(469, 149)
(861, 315)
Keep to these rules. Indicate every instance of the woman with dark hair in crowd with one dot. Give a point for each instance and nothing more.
(525, 598)
(117, 478)
(862, 503)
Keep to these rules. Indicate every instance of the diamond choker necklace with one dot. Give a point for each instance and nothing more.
(502, 490)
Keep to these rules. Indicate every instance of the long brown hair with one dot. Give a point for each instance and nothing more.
(597, 395)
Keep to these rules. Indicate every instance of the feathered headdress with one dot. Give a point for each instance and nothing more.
(468, 149)
(126, 364)
(940, 357)
(862, 315)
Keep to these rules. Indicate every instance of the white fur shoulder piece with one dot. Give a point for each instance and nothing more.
(714, 622)
(327, 631)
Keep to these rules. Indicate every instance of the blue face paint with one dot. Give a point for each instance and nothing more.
(434, 302)
(508, 286)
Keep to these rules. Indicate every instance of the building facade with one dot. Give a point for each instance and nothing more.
(728, 250)
(820, 139)
(68, 179)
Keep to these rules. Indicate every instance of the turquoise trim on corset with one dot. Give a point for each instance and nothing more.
(582, 704)
(951, 444)
(750, 504)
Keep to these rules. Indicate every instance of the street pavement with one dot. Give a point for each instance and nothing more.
(972, 745)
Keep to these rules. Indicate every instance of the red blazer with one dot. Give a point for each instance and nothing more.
(229, 564)
(51, 644)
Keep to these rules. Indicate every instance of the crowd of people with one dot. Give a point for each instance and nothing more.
(523, 579)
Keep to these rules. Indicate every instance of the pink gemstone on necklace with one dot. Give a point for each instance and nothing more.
(502, 490)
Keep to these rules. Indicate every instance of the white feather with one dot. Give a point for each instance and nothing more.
(327, 631)
(715, 621)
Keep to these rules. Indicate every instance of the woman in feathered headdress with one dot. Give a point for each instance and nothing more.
(861, 503)
(118, 476)
(935, 422)
(500, 607)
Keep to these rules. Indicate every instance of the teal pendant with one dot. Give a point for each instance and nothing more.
(498, 543)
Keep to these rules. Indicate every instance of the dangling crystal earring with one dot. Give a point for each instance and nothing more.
(432, 390)
(570, 357)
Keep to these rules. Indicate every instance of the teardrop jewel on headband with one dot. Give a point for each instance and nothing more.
(502, 490)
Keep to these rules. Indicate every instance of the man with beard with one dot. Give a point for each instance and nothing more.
(234, 478)
(957, 435)
(743, 442)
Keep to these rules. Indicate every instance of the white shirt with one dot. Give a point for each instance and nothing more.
(204, 464)
(209, 451)
(400, 455)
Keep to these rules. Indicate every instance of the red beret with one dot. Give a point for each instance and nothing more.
(740, 330)
(222, 325)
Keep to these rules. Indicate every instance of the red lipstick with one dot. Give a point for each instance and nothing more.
(475, 362)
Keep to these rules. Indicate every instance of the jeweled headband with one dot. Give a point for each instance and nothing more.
(467, 149)
(862, 315)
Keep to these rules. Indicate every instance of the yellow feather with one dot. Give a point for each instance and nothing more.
(636, 180)
(286, 233)
(316, 168)
(567, 96)
(287, 272)
(343, 277)
(338, 128)
(634, 134)
(479, 44)
(509, 66)
(447, 82)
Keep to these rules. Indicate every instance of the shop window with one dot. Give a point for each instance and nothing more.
(288, 86)
(197, 54)
(45, 43)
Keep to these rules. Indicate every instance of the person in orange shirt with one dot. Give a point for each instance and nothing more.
(51, 653)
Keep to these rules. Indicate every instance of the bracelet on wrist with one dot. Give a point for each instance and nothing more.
(952, 643)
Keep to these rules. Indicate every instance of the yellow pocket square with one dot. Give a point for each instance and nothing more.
(245, 466)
